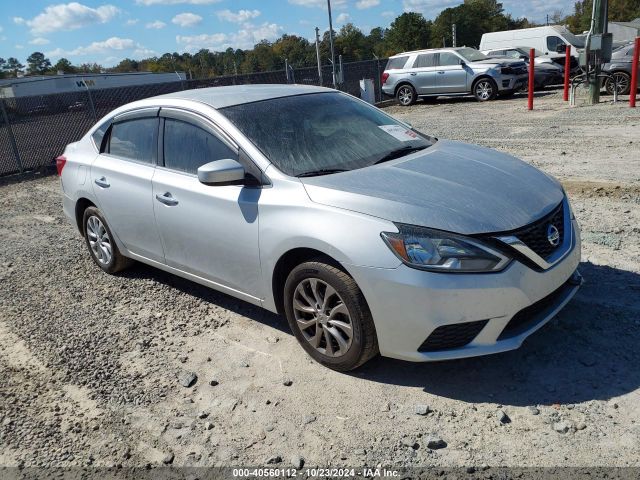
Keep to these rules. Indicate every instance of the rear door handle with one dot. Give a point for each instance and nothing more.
(441, 72)
(167, 199)
(413, 74)
(102, 182)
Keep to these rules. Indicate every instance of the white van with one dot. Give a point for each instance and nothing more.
(549, 40)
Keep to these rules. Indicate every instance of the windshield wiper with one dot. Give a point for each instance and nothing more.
(399, 152)
(321, 171)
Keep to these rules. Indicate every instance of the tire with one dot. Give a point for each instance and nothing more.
(485, 89)
(99, 239)
(323, 331)
(406, 95)
(624, 83)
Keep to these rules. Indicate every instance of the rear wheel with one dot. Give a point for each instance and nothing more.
(620, 81)
(406, 95)
(485, 89)
(329, 316)
(99, 239)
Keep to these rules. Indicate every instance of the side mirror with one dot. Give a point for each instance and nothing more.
(221, 172)
(562, 48)
(463, 63)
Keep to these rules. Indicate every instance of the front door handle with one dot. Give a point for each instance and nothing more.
(413, 74)
(167, 199)
(441, 72)
(102, 182)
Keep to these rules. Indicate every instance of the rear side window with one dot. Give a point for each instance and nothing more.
(187, 147)
(396, 63)
(135, 139)
(426, 60)
(447, 58)
(98, 135)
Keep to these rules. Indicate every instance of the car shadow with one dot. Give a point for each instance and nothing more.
(206, 294)
(588, 351)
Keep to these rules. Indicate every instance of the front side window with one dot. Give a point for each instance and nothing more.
(425, 60)
(187, 147)
(323, 132)
(553, 43)
(135, 139)
(448, 58)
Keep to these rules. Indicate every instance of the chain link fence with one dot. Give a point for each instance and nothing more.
(34, 130)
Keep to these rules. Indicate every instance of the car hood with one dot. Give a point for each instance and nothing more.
(450, 186)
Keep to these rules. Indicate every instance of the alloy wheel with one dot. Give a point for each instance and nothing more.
(484, 90)
(99, 240)
(405, 95)
(323, 317)
(620, 82)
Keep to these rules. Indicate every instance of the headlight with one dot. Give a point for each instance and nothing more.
(506, 70)
(438, 251)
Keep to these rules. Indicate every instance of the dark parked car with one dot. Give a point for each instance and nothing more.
(620, 71)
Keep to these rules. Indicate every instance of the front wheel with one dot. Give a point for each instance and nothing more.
(329, 316)
(406, 95)
(485, 89)
(620, 81)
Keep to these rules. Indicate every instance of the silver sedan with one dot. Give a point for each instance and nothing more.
(368, 235)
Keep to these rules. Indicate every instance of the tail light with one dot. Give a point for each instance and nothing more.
(60, 163)
(385, 75)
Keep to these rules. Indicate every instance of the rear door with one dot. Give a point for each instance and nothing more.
(423, 73)
(208, 231)
(121, 176)
(451, 76)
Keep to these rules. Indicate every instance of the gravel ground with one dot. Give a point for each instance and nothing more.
(94, 367)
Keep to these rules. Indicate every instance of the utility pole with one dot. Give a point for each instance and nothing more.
(598, 27)
(333, 55)
(453, 34)
(318, 56)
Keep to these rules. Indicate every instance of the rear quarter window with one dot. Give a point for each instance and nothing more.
(396, 63)
(98, 135)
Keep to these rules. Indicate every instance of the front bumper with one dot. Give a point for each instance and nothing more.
(408, 305)
(511, 82)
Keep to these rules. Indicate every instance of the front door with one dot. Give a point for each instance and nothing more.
(208, 231)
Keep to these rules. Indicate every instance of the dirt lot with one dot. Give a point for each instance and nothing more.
(90, 364)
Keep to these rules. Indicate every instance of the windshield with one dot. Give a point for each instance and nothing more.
(322, 133)
(471, 54)
(573, 40)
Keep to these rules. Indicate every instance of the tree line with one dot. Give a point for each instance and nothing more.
(409, 31)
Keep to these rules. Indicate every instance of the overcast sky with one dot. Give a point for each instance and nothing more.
(106, 32)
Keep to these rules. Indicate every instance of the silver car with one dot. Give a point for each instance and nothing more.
(368, 235)
(451, 71)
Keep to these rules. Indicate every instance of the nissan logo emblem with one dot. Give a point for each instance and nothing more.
(553, 235)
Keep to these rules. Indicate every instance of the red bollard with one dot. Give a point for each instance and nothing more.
(634, 74)
(567, 68)
(532, 57)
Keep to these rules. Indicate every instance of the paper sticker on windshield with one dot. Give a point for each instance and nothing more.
(398, 131)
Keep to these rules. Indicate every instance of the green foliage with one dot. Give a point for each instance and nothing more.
(12, 67)
(409, 31)
(619, 11)
(38, 64)
(63, 65)
(472, 19)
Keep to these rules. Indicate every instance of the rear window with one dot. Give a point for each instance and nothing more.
(135, 139)
(396, 63)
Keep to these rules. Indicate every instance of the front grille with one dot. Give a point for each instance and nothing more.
(529, 316)
(457, 335)
(535, 235)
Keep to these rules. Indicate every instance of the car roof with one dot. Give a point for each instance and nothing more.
(221, 97)
(428, 50)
